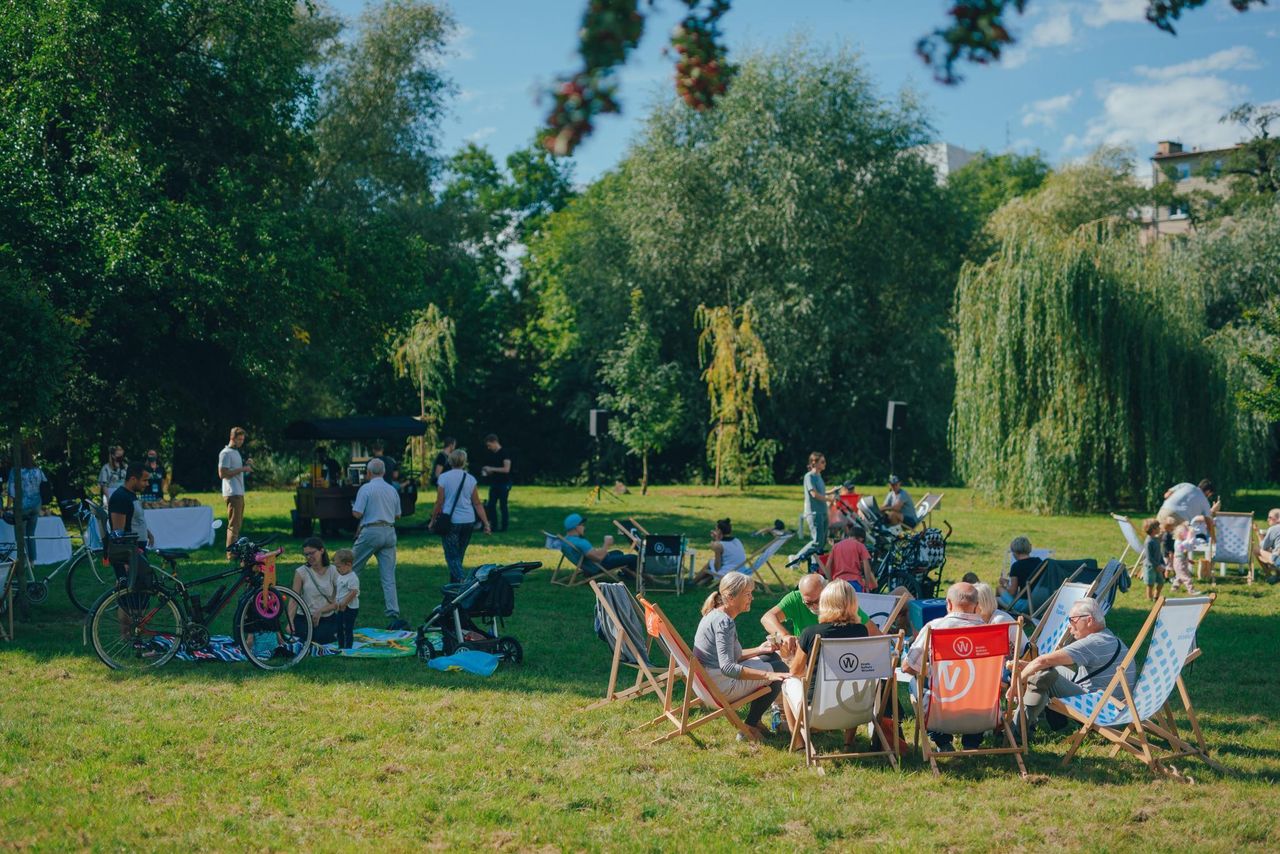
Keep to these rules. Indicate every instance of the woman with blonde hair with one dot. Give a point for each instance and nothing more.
(837, 618)
(734, 670)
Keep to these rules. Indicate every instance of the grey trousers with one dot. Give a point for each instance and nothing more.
(379, 541)
(1044, 686)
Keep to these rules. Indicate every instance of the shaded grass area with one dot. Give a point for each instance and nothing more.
(389, 752)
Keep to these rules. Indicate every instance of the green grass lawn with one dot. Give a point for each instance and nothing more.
(352, 754)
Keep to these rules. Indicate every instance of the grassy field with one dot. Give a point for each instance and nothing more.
(388, 754)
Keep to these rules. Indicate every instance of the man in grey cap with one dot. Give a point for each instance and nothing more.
(576, 546)
(376, 508)
(898, 507)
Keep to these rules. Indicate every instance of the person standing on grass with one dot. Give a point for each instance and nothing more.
(1153, 558)
(348, 584)
(111, 477)
(157, 479)
(441, 463)
(456, 496)
(497, 468)
(232, 469)
(815, 503)
(376, 508)
(31, 477)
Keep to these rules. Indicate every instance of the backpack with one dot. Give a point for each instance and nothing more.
(933, 548)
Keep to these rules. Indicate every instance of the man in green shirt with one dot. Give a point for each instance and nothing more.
(799, 608)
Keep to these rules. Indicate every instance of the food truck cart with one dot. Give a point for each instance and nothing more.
(325, 494)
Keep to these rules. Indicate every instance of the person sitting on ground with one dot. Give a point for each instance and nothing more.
(1020, 572)
(575, 546)
(737, 672)
(850, 561)
(897, 507)
(316, 581)
(838, 617)
(962, 611)
(1095, 655)
(727, 553)
(779, 529)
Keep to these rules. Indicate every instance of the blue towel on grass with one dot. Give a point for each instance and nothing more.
(470, 660)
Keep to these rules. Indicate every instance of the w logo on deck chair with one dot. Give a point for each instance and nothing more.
(955, 680)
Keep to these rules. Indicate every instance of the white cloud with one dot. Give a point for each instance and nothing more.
(481, 134)
(1055, 30)
(1045, 112)
(1103, 12)
(1139, 114)
(1238, 58)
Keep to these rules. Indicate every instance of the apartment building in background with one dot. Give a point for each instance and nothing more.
(1172, 163)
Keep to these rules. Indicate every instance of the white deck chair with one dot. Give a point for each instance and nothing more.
(848, 678)
(1132, 543)
(1233, 542)
(927, 505)
(883, 609)
(1126, 716)
(763, 559)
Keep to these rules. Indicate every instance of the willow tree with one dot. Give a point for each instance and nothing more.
(425, 353)
(1085, 378)
(735, 367)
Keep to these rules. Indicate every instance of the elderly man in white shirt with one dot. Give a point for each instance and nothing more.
(962, 610)
(376, 508)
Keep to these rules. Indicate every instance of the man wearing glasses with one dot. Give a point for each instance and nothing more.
(1095, 655)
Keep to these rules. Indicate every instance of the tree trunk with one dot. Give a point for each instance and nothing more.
(719, 435)
(644, 471)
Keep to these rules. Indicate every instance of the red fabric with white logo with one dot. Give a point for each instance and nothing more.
(966, 642)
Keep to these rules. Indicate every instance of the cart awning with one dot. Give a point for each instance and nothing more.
(387, 427)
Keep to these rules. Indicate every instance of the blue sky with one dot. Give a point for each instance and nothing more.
(1084, 72)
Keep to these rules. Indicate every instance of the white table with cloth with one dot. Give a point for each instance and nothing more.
(188, 528)
(53, 545)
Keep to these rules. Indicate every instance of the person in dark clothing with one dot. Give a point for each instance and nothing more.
(155, 477)
(441, 463)
(497, 471)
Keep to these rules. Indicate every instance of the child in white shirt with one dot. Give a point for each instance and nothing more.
(347, 596)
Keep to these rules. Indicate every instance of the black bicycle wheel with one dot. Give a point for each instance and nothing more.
(87, 580)
(269, 641)
(135, 631)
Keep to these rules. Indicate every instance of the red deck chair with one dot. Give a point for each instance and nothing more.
(965, 666)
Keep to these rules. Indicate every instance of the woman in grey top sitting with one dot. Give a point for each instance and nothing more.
(734, 670)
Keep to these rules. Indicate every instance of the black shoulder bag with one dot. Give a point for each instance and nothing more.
(444, 522)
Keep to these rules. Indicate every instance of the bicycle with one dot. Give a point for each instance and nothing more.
(147, 619)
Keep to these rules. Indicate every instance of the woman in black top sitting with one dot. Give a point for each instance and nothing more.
(837, 618)
(1020, 572)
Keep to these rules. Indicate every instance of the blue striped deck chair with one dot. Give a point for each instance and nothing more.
(1129, 717)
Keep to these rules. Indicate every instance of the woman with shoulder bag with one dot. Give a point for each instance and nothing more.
(455, 512)
(316, 581)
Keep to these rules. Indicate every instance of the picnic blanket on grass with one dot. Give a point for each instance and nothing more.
(369, 643)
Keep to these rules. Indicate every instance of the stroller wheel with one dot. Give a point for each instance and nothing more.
(509, 649)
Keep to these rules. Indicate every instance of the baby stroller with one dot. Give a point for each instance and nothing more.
(915, 562)
(486, 594)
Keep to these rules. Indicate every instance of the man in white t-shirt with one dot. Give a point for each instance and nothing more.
(962, 611)
(232, 468)
(376, 508)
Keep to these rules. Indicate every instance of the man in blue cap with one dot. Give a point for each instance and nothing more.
(576, 546)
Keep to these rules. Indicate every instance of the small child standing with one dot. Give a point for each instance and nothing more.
(347, 596)
(1153, 559)
(1184, 542)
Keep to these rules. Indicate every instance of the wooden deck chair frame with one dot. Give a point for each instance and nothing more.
(9, 565)
(803, 736)
(1249, 545)
(1025, 590)
(576, 577)
(761, 559)
(647, 681)
(920, 701)
(1132, 543)
(697, 684)
(1134, 737)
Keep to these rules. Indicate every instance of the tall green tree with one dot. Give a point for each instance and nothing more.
(736, 369)
(643, 391)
